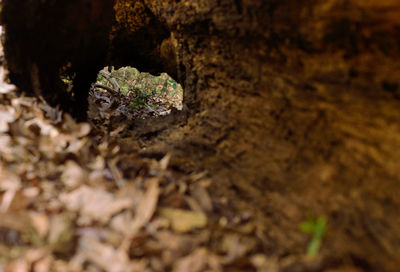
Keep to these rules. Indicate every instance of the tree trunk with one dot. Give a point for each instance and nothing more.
(293, 106)
(297, 103)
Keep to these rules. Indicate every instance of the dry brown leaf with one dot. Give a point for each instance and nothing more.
(146, 207)
(76, 145)
(51, 146)
(116, 172)
(7, 115)
(157, 224)
(18, 221)
(102, 255)
(19, 265)
(6, 149)
(165, 161)
(148, 204)
(94, 204)
(83, 129)
(262, 263)
(43, 265)
(73, 175)
(172, 241)
(119, 129)
(10, 184)
(104, 235)
(183, 220)
(8, 180)
(40, 222)
(234, 247)
(31, 192)
(194, 262)
(46, 128)
(202, 197)
(36, 258)
(122, 222)
(97, 163)
(61, 266)
(59, 229)
(33, 255)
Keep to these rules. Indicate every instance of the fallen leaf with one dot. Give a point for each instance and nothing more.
(145, 209)
(122, 222)
(46, 128)
(6, 149)
(10, 183)
(194, 262)
(202, 197)
(183, 220)
(7, 115)
(43, 265)
(235, 247)
(73, 175)
(41, 223)
(102, 255)
(77, 145)
(33, 257)
(263, 263)
(61, 233)
(19, 265)
(94, 204)
(148, 204)
(173, 242)
(83, 129)
(165, 161)
(119, 129)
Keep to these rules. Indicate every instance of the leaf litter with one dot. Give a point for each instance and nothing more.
(71, 203)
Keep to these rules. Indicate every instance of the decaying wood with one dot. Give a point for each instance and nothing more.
(293, 100)
(298, 100)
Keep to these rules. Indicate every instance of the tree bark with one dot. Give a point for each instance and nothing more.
(298, 99)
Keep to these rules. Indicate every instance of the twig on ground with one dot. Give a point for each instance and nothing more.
(112, 80)
(105, 88)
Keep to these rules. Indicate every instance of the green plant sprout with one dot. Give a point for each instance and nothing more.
(316, 227)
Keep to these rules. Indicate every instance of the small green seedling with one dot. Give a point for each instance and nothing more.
(316, 227)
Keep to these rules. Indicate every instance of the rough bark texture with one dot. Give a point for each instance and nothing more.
(293, 106)
(139, 37)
